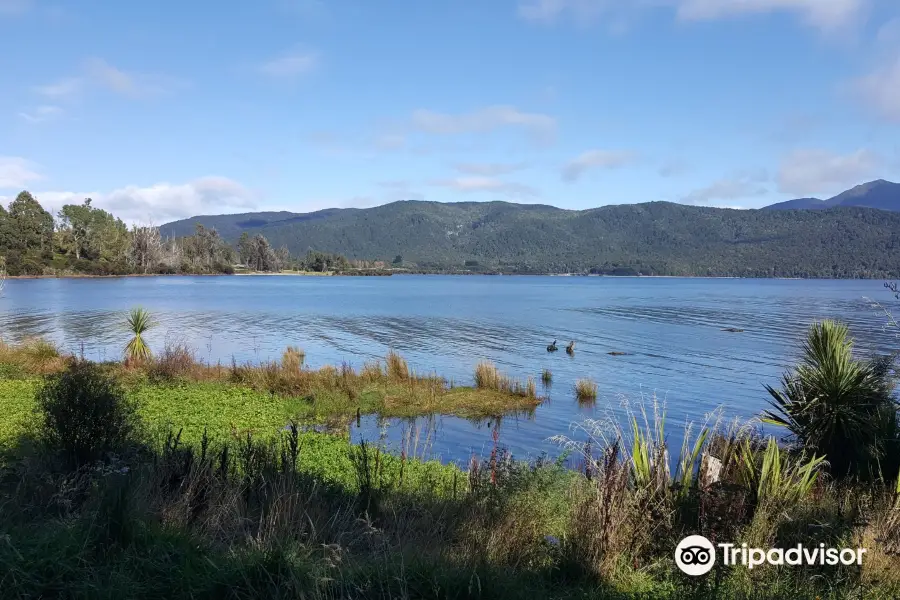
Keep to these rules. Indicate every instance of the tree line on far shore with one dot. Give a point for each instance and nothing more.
(84, 239)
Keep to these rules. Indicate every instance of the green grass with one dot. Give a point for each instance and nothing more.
(16, 406)
(337, 520)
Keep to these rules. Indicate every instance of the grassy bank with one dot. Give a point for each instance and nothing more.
(167, 478)
(309, 515)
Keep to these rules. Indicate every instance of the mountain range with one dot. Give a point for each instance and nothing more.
(880, 194)
(840, 237)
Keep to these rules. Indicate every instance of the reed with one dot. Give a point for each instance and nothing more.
(292, 359)
(397, 367)
(585, 390)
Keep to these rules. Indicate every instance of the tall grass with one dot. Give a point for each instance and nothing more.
(488, 377)
(34, 355)
(292, 359)
(585, 390)
(397, 367)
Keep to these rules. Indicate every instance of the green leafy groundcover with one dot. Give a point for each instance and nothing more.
(226, 412)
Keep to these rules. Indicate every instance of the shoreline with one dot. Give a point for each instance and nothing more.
(401, 273)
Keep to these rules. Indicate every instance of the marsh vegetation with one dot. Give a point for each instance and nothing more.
(170, 477)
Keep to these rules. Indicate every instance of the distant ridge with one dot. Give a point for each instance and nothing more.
(880, 194)
(655, 238)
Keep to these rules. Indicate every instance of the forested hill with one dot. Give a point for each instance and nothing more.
(657, 238)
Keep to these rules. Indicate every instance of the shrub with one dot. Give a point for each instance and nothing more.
(836, 406)
(176, 361)
(84, 413)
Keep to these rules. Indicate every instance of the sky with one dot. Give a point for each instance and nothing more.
(164, 110)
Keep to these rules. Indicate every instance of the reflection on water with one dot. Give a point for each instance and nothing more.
(634, 337)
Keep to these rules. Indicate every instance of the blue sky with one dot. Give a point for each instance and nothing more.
(168, 109)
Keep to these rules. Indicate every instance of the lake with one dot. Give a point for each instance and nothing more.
(671, 330)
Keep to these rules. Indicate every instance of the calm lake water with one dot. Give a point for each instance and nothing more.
(670, 328)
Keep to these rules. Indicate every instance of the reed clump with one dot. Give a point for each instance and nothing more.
(371, 372)
(546, 376)
(397, 367)
(292, 359)
(585, 390)
(489, 377)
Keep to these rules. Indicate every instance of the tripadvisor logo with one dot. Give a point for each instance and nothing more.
(695, 555)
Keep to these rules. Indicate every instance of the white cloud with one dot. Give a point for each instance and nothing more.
(41, 113)
(290, 65)
(550, 10)
(98, 73)
(811, 172)
(63, 88)
(737, 187)
(822, 14)
(595, 159)
(475, 184)
(488, 169)
(162, 202)
(17, 173)
(135, 85)
(880, 90)
(541, 127)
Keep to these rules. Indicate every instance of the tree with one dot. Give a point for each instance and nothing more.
(91, 233)
(30, 226)
(398, 260)
(282, 258)
(262, 257)
(245, 248)
(138, 323)
(145, 249)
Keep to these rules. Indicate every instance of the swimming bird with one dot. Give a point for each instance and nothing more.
(552, 347)
(570, 349)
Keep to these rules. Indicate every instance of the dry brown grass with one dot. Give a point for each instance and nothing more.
(176, 361)
(489, 377)
(585, 390)
(292, 359)
(397, 367)
(34, 355)
(372, 372)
